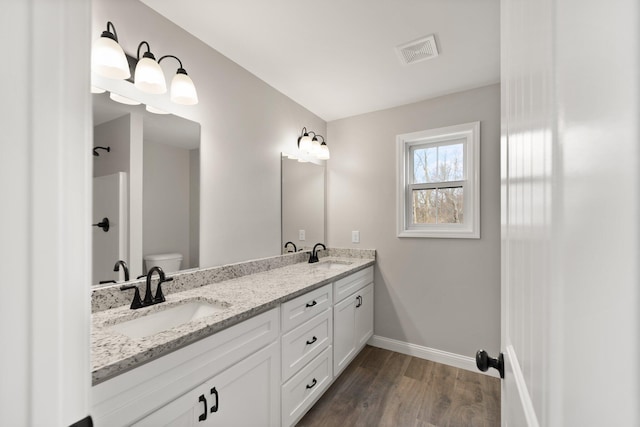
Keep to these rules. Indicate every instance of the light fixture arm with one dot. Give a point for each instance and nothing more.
(181, 70)
(148, 53)
(113, 35)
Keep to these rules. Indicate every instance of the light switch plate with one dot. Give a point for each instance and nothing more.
(301, 235)
(355, 237)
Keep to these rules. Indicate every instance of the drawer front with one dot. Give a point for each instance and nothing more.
(305, 342)
(300, 309)
(350, 284)
(301, 391)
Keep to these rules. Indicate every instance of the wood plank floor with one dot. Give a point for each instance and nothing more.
(384, 388)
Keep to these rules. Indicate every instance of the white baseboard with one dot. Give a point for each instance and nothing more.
(432, 354)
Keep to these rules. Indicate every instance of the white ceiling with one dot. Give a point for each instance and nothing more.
(337, 58)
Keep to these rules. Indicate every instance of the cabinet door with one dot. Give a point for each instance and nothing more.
(344, 337)
(246, 394)
(364, 316)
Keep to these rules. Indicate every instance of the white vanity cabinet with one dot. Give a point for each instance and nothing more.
(353, 317)
(244, 395)
(237, 369)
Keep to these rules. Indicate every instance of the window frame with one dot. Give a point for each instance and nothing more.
(405, 145)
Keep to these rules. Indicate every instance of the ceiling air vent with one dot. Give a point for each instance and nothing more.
(418, 50)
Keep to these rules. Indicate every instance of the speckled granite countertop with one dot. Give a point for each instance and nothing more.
(113, 353)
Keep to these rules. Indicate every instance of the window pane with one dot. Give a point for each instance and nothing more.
(450, 163)
(425, 165)
(424, 206)
(450, 205)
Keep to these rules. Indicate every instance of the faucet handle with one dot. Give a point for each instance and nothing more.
(137, 301)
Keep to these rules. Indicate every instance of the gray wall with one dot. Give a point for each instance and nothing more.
(115, 134)
(438, 293)
(246, 124)
(166, 200)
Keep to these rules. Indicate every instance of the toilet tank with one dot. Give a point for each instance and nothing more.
(168, 262)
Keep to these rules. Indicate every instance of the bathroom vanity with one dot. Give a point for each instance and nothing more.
(273, 342)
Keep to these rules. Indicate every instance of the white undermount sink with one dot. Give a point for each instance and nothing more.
(168, 318)
(332, 265)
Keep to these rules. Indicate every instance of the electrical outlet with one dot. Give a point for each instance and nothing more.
(355, 237)
(301, 235)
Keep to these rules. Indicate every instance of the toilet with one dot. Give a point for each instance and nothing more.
(168, 262)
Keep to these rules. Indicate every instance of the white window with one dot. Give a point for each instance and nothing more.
(438, 182)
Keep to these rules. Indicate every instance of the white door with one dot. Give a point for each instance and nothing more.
(45, 175)
(109, 201)
(570, 208)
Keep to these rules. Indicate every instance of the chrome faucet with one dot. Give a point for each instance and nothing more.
(124, 267)
(292, 244)
(314, 254)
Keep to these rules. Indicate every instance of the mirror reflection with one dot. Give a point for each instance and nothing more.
(303, 205)
(146, 182)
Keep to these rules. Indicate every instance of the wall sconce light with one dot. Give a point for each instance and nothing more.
(311, 146)
(109, 60)
(183, 90)
(107, 57)
(148, 76)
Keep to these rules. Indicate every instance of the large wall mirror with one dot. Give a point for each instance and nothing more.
(303, 204)
(146, 182)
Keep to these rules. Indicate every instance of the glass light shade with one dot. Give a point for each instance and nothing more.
(155, 110)
(315, 146)
(123, 99)
(324, 152)
(149, 77)
(95, 89)
(108, 59)
(305, 144)
(183, 90)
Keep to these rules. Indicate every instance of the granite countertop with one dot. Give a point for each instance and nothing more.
(113, 353)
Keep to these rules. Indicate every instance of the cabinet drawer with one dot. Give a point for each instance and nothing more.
(304, 307)
(301, 391)
(305, 342)
(348, 285)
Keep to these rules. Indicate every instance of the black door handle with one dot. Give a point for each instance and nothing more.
(313, 384)
(359, 299)
(484, 362)
(214, 408)
(203, 416)
(104, 224)
(312, 341)
(312, 304)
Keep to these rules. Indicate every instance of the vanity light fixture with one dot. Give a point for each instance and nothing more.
(109, 60)
(311, 147)
(182, 89)
(148, 76)
(107, 57)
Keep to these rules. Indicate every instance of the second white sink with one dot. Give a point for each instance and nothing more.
(168, 318)
(332, 265)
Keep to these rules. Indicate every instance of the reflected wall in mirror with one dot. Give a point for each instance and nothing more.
(147, 183)
(303, 204)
